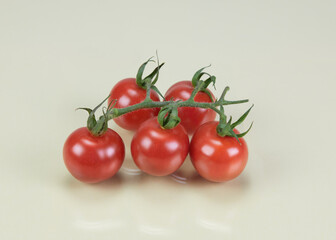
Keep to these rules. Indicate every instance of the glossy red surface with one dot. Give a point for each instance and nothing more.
(128, 93)
(158, 151)
(93, 159)
(217, 158)
(191, 118)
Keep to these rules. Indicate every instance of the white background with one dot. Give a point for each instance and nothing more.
(56, 56)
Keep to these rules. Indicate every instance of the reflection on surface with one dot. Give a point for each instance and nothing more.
(130, 171)
(156, 206)
(98, 225)
(179, 179)
(151, 230)
(214, 226)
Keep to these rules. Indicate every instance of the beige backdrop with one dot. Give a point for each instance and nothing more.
(59, 55)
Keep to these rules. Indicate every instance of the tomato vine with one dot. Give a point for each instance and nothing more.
(161, 143)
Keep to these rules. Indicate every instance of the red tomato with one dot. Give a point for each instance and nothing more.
(93, 159)
(128, 93)
(159, 151)
(217, 158)
(191, 118)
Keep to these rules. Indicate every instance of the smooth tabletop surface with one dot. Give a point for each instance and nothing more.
(56, 56)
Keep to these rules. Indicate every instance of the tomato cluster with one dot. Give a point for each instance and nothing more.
(157, 150)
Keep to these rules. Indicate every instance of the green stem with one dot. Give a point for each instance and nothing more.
(116, 112)
(148, 89)
(196, 90)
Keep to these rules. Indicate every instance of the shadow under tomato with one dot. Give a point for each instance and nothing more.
(198, 181)
(113, 182)
(185, 177)
(223, 192)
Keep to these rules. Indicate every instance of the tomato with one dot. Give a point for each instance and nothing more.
(93, 159)
(191, 118)
(159, 151)
(128, 93)
(217, 158)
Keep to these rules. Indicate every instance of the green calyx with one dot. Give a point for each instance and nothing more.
(168, 116)
(225, 128)
(196, 81)
(99, 127)
(149, 81)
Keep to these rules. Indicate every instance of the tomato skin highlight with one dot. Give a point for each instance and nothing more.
(191, 118)
(93, 159)
(217, 158)
(128, 93)
(159, 151)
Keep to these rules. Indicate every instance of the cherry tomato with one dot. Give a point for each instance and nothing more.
(159, 151)
(191, 118)
(217, 158)
(93, 159)
(128, 93)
